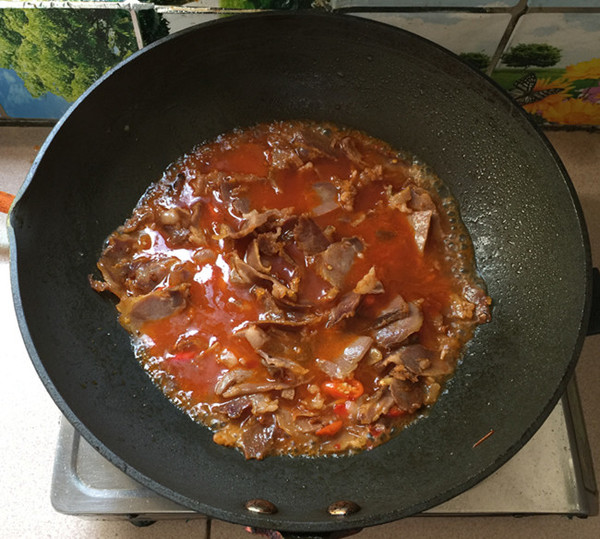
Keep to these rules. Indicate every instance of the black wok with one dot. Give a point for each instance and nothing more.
(516, 199)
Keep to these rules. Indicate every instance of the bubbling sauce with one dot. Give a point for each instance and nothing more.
(298, 288)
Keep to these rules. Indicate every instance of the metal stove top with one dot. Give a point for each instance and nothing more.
(552, 474)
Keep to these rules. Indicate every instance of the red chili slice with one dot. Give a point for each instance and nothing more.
(343, 389)
(331, 429)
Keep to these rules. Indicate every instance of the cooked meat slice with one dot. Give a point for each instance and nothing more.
(344, 308)
(135, 310)
(114, 271)
(230, 378)
(348, 303)
(420, 221)
(410, 361)
(395, 333)
(335, 262)
(309, 236)
(255, 336)
(269, 242)
(396, 309)
(253, 258)
(348, 146)
(372, 407)
(311, 144)
(283, 369)
(344, 365)
(258, 435)
(369, 284)
(420, 200)
(233, 408)
(248, 388)
(398, 200)
(150, 272)
(248, 274)
(408, 396)
(328, 194)
(254, 220)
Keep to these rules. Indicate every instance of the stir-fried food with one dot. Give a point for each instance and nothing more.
(298, 288)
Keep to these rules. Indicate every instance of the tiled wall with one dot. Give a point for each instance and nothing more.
(545, 52)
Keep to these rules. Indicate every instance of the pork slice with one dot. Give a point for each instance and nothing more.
(258, 435)
(268, 242)
(349, 302)
(345, 308)
(254, 259)
(309, 236)
(395, 333)
(410, 361)
(231, 378)
(348, 147)
(369, 284)
(256, 404)
(273, 315)
(344, 365)
(420, 221)
(250, 388)
(255, 219)
(420, 200)
(407, 395)
(283, 369)
(245, 273)
(334, 264)
(158, 304)
(309, 144)
(397, 308)
(372, 407)
(255, 336)
(233, 408)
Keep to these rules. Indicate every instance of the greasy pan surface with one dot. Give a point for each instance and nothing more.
(516, 200)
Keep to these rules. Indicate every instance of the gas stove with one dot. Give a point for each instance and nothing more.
(551, 474)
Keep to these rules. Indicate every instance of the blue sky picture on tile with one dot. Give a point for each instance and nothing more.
(17, 102)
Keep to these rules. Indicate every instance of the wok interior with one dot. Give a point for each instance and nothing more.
(515, 200)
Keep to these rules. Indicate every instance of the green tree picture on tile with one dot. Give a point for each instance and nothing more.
(63, 51)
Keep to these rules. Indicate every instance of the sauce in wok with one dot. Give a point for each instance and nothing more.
(298, 288)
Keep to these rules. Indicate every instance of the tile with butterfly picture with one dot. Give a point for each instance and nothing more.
(551, 66)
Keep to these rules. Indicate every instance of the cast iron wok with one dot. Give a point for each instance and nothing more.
(516, 199)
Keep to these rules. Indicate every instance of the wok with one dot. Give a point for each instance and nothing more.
(516, 200)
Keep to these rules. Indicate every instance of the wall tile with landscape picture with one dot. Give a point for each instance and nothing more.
(473, 36)
(551, 65)
(49, 57)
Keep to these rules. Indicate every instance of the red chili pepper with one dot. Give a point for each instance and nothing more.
(340, 409)
(343, 389)
(331, 429)
(395, 412)
(184, 356)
